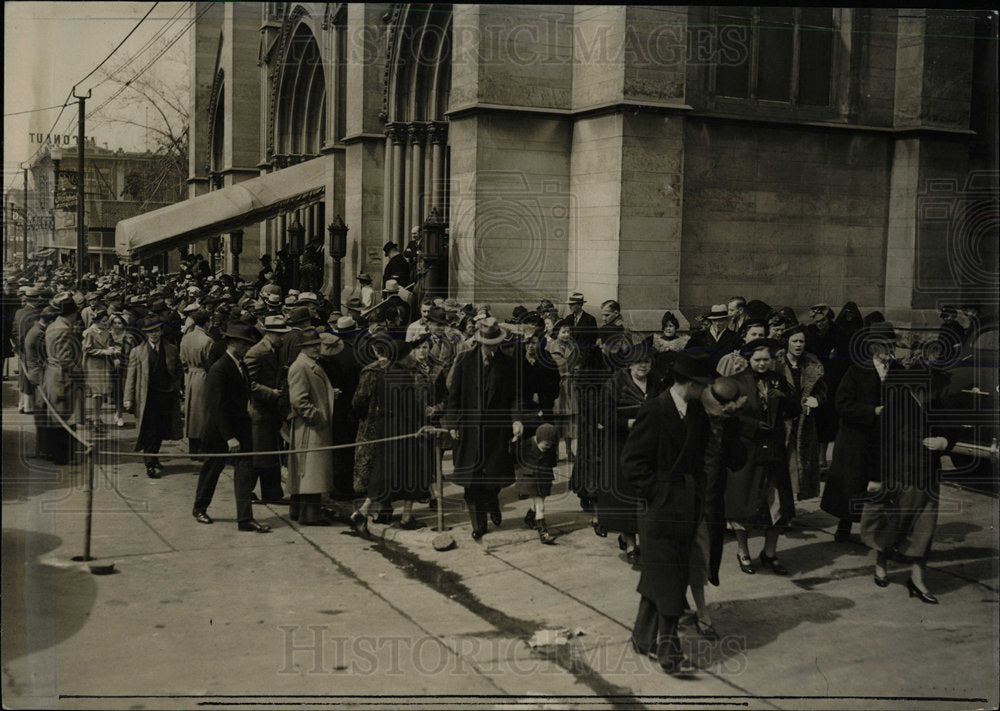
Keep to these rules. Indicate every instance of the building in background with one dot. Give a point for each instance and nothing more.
(118, 185)
(665, 157)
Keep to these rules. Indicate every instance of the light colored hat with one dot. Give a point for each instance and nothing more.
(346, 323)
(576, 298)
(391, 286)
(489, 332)
(276, 324)
(718, 312)
(307, 297)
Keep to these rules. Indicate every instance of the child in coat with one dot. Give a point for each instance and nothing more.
(536, 457)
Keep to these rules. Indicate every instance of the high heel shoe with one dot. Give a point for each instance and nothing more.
(746, 565)
(920, 594)
(621, 543)
(881, 582)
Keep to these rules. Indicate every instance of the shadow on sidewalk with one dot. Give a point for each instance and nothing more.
(43, 604)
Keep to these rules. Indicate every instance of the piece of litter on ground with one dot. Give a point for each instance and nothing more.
(546, 638)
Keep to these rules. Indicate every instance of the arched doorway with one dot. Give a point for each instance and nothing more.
(415, 104)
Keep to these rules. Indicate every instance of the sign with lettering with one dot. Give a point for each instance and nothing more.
(51, 139)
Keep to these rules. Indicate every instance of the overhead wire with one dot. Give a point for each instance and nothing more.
(69, 94)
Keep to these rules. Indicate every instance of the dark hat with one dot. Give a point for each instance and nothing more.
(150, 324)
(332, 339)
(158, 305)
(720, 394)
(576, 298)
(64, 303)
(299, 314)
(718, 312)
(438, 315)
(883, 332)
(241, 330)
(388, 247)
(49, 312)
(698, 369)
(518, 313)
(547, 433)
(756, 344)
(365, 278)
(489, 332)
(355, 304)
(310, 338)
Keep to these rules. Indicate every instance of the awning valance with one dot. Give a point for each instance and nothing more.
(225, 210)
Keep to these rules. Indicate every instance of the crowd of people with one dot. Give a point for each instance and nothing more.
(673, 438)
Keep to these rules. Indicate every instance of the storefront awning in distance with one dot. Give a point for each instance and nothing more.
(221, 211)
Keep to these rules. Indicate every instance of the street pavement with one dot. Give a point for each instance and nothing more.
(208, 616)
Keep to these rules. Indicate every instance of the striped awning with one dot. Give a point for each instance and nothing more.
(224, 210)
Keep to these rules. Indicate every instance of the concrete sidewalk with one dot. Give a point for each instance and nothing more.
(306, 616)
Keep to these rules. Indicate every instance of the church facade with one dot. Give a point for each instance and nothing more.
(662, 156)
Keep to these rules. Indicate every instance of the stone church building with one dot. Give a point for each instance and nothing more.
(663, 156)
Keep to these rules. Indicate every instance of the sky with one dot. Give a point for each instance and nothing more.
(50, 46)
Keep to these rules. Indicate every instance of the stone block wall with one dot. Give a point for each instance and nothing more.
(789, 216)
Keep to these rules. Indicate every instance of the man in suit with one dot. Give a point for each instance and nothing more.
(481, 416)
(736, 307)
(396, 266)
(663, 461)
(716, 340)
(583, 326)
(34, 366)
(229, 429)
(268, 405)
(63, 371)
(153, 383)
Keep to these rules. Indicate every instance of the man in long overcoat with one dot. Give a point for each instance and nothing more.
(63, 372)
(482, 416)
(196, 356)
(857, 450)
(34, 367)
(311, 397)
(24, 319)
(663, 460)
(228, 429)
(268, 405)
(153, 384)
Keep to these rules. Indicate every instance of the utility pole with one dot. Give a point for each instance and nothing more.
(81, 229)
(25, 215)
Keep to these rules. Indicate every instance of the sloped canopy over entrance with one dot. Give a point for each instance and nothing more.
(220, 211)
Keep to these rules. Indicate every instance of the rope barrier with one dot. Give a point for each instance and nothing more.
(274, 452)
(62, 422)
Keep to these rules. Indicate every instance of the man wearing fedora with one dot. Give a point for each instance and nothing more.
(229, 429)
(268, 405)
(396, 266)
(717, 340)
(311, 398)
(196, 357)
(583, 326)
(663, 460)
(857, 451)
(34, 367)
(63, 371)
(481, 416)
(153, 383)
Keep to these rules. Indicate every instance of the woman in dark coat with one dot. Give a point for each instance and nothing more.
(381, 350)
(804, 374)
(621, 397)
(857, 450)
(408, 400)
(666, 345)
(901, 518)
(758, 489)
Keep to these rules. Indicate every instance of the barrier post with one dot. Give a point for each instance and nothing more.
(439, 470)
(89, 456)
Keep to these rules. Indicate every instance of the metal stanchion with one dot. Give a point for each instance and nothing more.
(443, 541)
